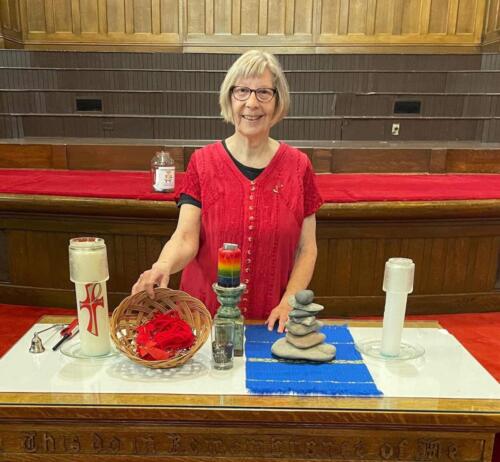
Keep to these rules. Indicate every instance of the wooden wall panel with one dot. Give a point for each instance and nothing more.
(195, 14)
(249, 17)
(383, 18)
(411, 18)
(330, 15)
(388, 22)
(116, 16)
(270, 20)
(438, 19)
(312, 25)
(4, 15)
(456, 258)
(492, 22)
(75, 24)
(89, 18)
(143, 16)
(223, 11)
(32, 156)
(132, 248)
(466, 11)
(492, 26)
(346, 159)
(11, 23)
(357, 16)
(62, 16)
(91, 157)
(10, 15)
(4, 258)
(169, 17)
(276, 12)
(37, 16)
(303, 17)
(1, 27)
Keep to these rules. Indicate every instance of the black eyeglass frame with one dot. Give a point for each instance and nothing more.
(253, 90)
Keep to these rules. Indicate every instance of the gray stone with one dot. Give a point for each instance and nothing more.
(320, 353)
(310, 307)
(299, 314)
(304, 297)
(309, 321)
(306, 341)
(300, 329)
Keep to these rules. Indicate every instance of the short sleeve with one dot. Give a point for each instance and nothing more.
(191, 181)
(187, 199)
(312, 197)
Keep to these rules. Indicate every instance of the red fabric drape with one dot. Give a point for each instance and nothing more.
(333, 187)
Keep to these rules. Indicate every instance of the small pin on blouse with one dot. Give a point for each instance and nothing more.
(277, 188)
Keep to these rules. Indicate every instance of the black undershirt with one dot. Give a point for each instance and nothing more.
(249, 172)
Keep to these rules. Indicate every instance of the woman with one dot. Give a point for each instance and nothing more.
(250, 190)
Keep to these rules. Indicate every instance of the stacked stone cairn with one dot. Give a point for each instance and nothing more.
(303, 340)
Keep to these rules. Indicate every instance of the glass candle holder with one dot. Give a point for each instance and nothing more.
(163, 172)
(223, 345)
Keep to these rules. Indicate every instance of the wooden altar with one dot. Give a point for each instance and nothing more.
(164, 427)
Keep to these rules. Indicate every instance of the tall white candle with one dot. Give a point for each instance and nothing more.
(88, 265)
(398, 283)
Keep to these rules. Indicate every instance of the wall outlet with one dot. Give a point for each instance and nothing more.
(395, 129)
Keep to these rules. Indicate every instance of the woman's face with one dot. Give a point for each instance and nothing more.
(253, 118)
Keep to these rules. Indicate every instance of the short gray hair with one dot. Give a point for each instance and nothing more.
(254, 63)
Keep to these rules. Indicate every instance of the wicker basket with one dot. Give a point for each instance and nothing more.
(138, 309)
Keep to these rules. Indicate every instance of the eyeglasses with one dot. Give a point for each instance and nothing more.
(264, 95)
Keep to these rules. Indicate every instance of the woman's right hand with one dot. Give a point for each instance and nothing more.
(157, 276)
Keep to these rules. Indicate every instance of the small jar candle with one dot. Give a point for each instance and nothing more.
(229, 265)
(163, 172)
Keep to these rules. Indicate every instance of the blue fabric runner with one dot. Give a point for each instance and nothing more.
(346, 375)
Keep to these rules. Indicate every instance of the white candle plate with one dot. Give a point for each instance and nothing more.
(73, 350)
(372, 349)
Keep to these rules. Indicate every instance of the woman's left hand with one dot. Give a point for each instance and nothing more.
(280, 314)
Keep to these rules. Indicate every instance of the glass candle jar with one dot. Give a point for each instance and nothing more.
(163, 172)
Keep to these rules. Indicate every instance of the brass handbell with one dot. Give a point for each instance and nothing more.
(36, 344)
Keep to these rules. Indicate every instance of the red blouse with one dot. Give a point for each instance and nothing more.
(264, 217)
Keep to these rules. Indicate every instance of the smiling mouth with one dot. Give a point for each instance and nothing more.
(251, 118)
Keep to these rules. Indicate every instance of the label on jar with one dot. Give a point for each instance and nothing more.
(164, 179)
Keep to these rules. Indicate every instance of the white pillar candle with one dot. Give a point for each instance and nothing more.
(398, 283)
(88, 265)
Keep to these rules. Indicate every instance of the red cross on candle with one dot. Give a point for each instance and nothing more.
(92, 301)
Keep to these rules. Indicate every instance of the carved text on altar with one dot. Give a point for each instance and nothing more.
(155, 442)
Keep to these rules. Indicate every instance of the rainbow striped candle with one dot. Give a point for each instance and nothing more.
(229, 265)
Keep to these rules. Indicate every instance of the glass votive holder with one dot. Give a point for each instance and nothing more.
(223, 345)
